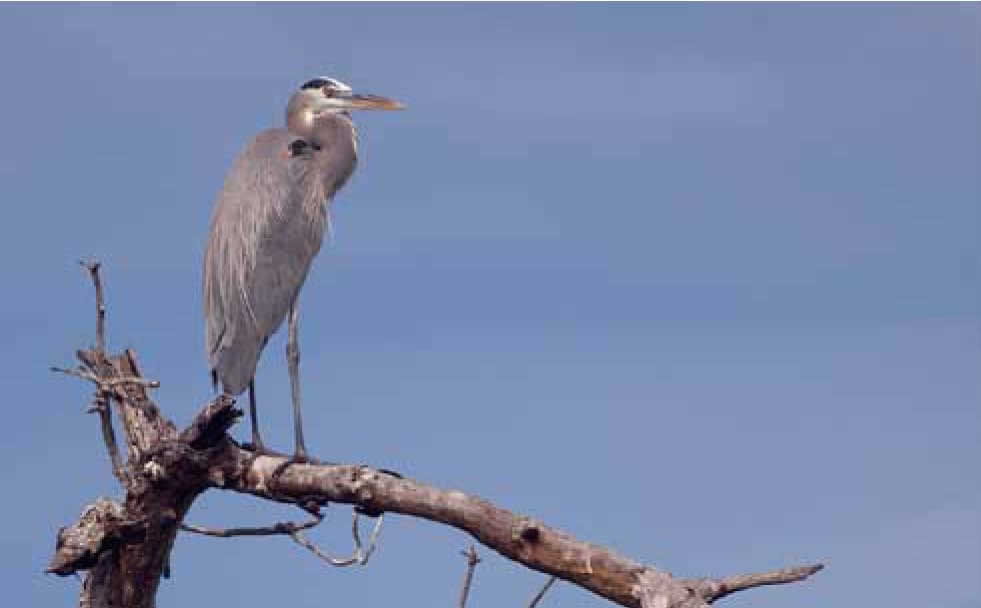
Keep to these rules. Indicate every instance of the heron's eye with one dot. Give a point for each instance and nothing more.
(329, 91)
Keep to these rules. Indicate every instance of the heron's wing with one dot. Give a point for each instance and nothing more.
(258, 254)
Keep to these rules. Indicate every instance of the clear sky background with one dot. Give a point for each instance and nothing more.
(700, 283)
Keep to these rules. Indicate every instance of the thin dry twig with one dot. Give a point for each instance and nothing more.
(739, 582)
(292, 529)
(106, 384)
(100, 404)
(100, 308)
(282, 527)
(541, 593)
(117, 382)
(359, 557)
(472, 561)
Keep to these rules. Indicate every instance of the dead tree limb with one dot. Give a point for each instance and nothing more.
(125, 547)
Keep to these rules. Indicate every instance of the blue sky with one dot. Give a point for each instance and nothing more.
(699, 282)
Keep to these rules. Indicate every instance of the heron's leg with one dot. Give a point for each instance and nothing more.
(293, 361)
(257, 444)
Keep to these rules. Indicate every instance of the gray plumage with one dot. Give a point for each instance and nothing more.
(269, 223)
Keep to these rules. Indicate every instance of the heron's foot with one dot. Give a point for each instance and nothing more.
(259, 449)
(300, 454)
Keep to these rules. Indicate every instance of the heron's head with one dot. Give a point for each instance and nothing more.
(324, 95)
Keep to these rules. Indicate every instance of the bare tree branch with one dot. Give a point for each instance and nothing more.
(125, 547)
(472, 561)
(517, 537)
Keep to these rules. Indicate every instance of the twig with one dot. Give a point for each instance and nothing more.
(372, 540)
(101, 405)
(283, 527)
(114, 382)
(739, 582)
(360, 556)
(472, 561)
(100, 309)
(106, 384)
(541, 593)
(293, 530)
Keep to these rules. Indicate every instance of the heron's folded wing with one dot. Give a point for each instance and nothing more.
(253, 198)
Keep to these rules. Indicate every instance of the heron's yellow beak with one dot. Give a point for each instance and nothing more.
(355, 101)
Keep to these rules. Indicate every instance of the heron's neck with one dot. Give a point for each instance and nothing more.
(335, 140)
(321, 129)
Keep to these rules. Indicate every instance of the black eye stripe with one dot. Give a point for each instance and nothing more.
(316, 83)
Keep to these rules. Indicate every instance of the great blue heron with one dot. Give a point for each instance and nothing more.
(268, 224)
